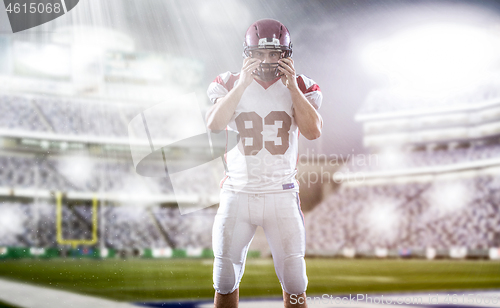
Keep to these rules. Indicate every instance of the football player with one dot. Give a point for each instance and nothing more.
(267, 104)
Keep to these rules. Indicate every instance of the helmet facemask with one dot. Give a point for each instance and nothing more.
(268, 71)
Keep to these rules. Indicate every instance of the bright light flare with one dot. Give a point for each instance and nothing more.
(224, 14)
(77, 169)
(48, 59)
(434, 57)
(383, 217)
(391, 158)
(11, 221)
(449, 197)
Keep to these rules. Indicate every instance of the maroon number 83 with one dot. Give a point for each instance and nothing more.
(255, 132)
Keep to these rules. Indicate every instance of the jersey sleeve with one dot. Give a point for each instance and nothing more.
(311, 90)
(221, 85)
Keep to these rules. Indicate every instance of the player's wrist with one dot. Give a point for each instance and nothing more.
(241, 86)
(294, 90)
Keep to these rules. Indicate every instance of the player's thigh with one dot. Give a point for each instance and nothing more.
(232, 230)
(284, 225)
(285, 232)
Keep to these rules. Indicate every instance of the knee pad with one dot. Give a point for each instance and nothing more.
(225, 276)
(294, 275)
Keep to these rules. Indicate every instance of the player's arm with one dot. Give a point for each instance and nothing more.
(219, 115)
(308, 119)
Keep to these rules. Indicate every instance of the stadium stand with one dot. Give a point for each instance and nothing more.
(131, 226)
(441, 193)
(82, 118)
(17, 112)
(70, 116)
(443, 210)
(49, 174)
(390, 99)
(191, 230)
(63, 138)
(411, 215)
(394, 159)
(126, 226)
(19, 228)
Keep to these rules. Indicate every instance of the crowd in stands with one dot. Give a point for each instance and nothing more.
(17, 113)
(190, 230)
(50, 174)
(36, 172)
(395, 159)
(30, 172)
(436, 213)
(71, 116)
(24, 224)
(439, 213)
(131, 226)
(122, 227)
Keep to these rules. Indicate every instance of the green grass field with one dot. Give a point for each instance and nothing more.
(5, 305)
(141, 280)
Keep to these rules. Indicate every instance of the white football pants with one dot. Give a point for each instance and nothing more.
(237, 218)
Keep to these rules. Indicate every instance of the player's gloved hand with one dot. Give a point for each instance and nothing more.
(246, 76)
(288, 78)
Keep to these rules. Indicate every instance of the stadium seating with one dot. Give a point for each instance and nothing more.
(391, 100)
(129, 226)
(17, 112)
(399, 159)
(70, 116)
(438, 213)
(48, 174)
(412, 215)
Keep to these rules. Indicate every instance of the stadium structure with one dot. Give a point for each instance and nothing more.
(67, 180)
(426, 187)
(428, 183)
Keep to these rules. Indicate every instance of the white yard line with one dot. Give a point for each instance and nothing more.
(29, 296)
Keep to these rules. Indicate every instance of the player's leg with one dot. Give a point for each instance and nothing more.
(226, 300)
(285, 232)
(232, 234)
(295, 301)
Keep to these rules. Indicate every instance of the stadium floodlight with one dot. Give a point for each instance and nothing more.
(229, 14)
(93, 37)
(46, 59)
(434, 57)
(88, 45)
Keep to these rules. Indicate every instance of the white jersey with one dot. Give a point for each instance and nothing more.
(265, 160)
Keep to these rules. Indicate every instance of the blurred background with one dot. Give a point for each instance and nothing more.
(407, 167)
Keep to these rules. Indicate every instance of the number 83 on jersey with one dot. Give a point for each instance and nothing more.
(256, 128)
